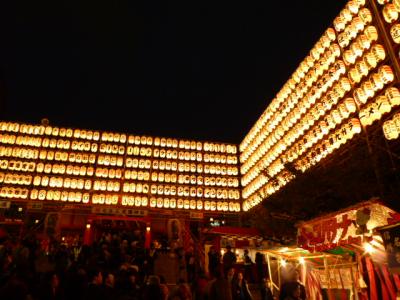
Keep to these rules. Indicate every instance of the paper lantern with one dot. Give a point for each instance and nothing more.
(390, 14)
(339, 23)
(383, 105)
(386, 73)
(371, 33)
(172, 203)
(390, 131)
(393, 95)
(395, 33)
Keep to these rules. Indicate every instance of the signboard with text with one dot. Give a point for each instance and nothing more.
(352, 226)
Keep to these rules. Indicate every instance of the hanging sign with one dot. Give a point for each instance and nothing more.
(352, 226)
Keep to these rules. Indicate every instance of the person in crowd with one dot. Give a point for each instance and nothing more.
(109, 287)
(214, 259)
(16, 288)
(199, 286)
(190, 264)
(164, 287)
(248, 266)
(240, 289)
(153, 289)
(51, 289)
(230, 275)
(292, 291)
(288, 285)
(181, 292)
(95, 289)
(260, 259)
(265, 289)
(228, 259)
(220, 288)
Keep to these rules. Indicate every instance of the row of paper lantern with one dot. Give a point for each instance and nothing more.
(272, 186)
(373, 111)
(180, 203)
(114, 160)
(15, 179)
(76, 170)
(365, 17)
(346, 14)
(113, 199)
(17, 165)
(280, 143)
(336, 139)
(112, 173)
(181, 155)
(322, 45)
(356, 25)
(331, 143)
(186, 191)
(369, 61)
(367, 90)
(290, 119)
(62, 182)
(391, 128)
(322, 86)
(111, 160)
(373, 84)
(339, 137)
(334, 118)
(56, 195)
(114, 186)
(332, 53)
(19, 152)
(362, 43)
(116, 137)
(14, 192)
(74, 157)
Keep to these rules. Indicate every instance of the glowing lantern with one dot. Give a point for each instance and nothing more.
(393, 95)
(365, 16)
(390, 131)
(383, 104)
(371, 33)
(390, 14)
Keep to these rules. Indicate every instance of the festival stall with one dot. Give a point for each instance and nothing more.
(354, 235)
(238, 238)
(315, 270)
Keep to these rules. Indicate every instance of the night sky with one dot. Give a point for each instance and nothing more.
(202, 70)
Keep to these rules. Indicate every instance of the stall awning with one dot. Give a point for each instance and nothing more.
(237, 233)
(346, 227)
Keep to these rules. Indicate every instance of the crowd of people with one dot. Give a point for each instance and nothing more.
(233, 284)
(118, 267)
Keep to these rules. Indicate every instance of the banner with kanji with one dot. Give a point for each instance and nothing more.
(351, 226)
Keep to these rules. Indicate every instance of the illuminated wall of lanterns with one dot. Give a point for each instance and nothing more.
(47, 163)
(346, 83)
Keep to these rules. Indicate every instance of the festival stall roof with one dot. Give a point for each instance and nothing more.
(239, 233)
(243, 237)
(354, 225)
(300, 256)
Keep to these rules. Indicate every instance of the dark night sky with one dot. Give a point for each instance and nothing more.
(193, 69)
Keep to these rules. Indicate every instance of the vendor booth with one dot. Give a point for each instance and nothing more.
(320, 273)
(238, 238)
(352, 250)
